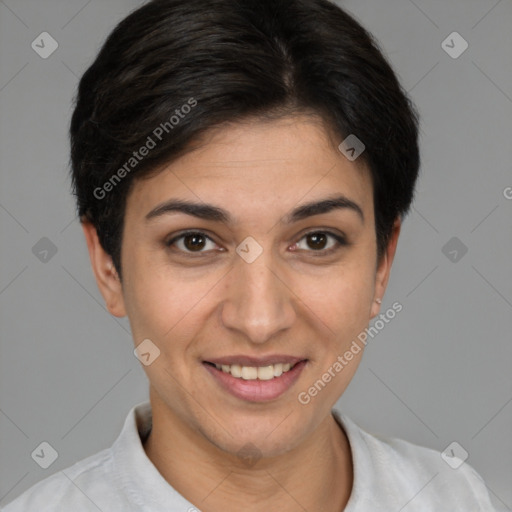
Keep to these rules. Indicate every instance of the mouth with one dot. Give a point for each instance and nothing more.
(256, 379)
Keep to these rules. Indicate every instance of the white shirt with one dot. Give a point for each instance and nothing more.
(390, 475)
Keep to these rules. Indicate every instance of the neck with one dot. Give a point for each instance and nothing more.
(316, 475)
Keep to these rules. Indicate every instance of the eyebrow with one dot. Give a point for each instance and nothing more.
(214, 213)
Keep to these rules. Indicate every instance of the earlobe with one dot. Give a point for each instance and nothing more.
(384, 268)
(105, 273)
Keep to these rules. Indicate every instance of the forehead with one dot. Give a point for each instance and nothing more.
(263, 164)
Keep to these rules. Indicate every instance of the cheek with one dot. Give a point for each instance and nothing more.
(164, 305)
(340, 299)
(341, 306)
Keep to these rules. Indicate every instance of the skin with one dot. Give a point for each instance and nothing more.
(291, 300)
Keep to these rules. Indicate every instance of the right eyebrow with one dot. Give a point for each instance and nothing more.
(199, 210)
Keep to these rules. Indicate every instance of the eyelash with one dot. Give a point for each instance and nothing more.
(341, 242)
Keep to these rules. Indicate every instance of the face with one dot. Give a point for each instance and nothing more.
(255, 297)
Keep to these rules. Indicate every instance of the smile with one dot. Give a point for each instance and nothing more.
(254, 382)
(255, 372)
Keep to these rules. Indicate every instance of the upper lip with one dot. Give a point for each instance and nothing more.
(244, 360)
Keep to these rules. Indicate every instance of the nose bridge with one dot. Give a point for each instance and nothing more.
(259, 303)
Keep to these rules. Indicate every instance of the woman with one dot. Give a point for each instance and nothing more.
(241, 171)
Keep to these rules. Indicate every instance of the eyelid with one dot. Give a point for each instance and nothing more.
(168, 243)
(338, 237)
(326, 231)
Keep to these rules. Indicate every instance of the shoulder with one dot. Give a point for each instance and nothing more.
(98, 482)
(427, 467)
(82, 487)
(404, 474)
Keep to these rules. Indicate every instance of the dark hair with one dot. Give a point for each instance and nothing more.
(174, 69)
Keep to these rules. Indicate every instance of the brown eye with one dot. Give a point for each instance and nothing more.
(323, 242)
(192, 242)
(317, 241)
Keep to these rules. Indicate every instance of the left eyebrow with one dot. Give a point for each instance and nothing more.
(216, 214)
(323, 206)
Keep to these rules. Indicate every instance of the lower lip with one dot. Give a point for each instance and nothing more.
(257, 390)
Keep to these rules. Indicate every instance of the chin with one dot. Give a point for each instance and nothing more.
(268, 437)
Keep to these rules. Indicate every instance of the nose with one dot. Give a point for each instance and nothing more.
(259, 303)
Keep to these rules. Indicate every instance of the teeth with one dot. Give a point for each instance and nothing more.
(265, 372)
(236, 370)
(249, 372)
(253, 372)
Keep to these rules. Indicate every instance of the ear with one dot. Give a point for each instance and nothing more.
(384, 267)
(105, 273)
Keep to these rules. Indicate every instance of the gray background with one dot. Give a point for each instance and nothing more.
(439, 372)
